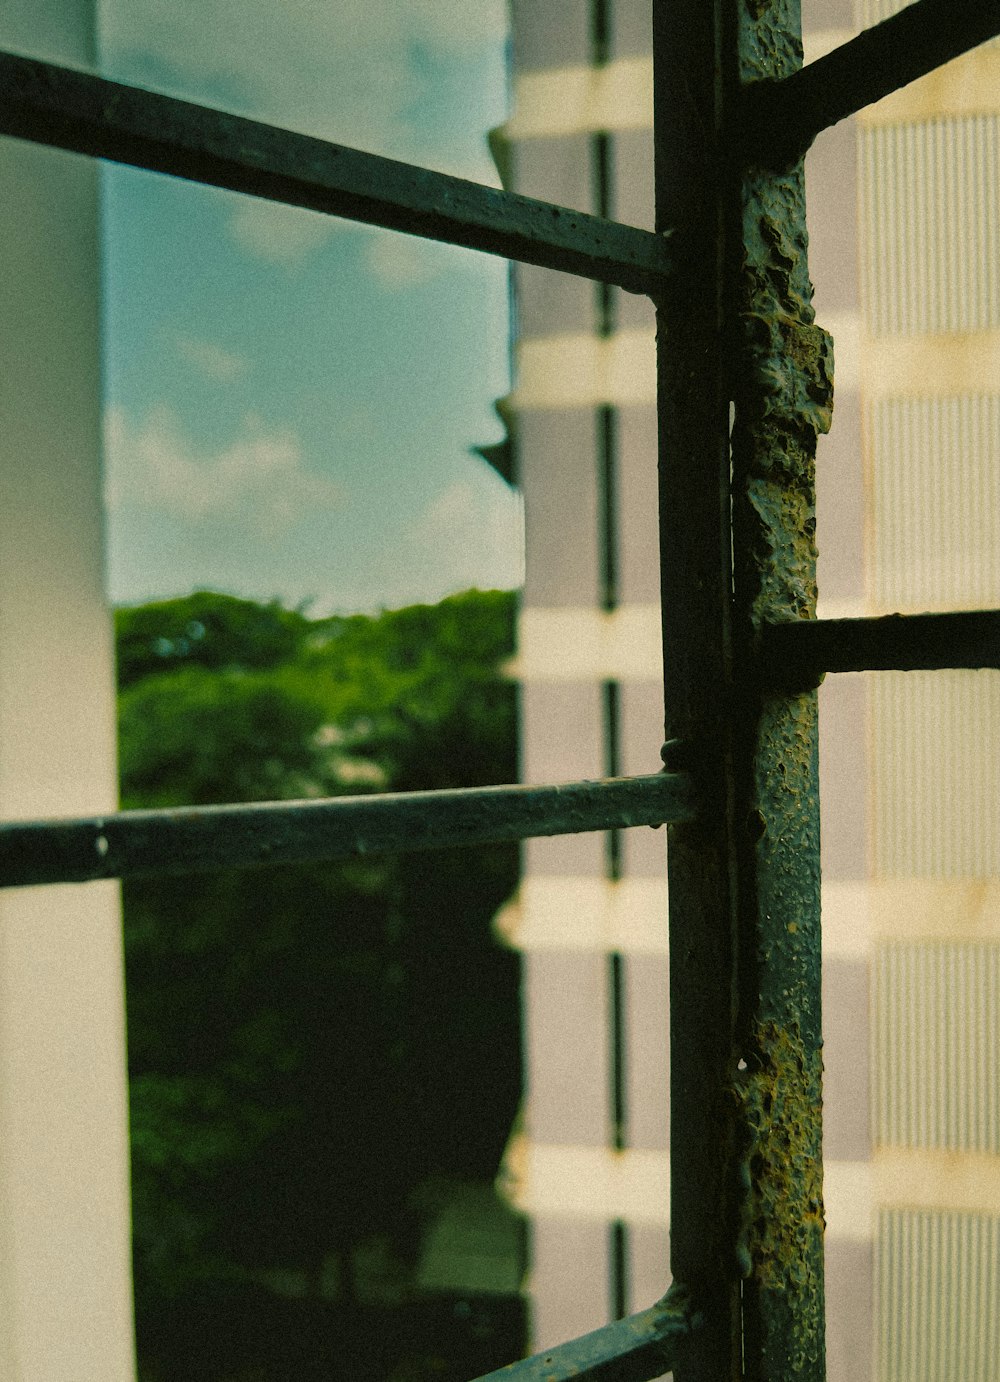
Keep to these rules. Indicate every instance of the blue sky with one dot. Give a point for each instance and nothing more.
(291, 399)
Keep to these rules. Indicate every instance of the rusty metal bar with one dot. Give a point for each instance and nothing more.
(635, 1349)
(782, 118)
(692, 193)
(783, 396)
(91, 115)
(800, 651)
(199, 838)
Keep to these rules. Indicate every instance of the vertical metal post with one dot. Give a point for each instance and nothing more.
(737, 324)
(783, 393)
(693, 428)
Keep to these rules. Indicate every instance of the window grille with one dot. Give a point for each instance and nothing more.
(743, 651)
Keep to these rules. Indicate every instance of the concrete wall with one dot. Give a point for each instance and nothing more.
(65, 1285)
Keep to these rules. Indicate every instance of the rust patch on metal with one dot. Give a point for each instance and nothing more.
(782, 1222)
(784, 398)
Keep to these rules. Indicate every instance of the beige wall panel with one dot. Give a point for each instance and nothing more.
(647, 1051)
(648, 1264)
(566, 855)
(567, 1048)
(934, 1179)
(546, 301)
(555, 168)
(558, 474)
(632, 180)
(561, 729)
(569, 1281)
(631, 28)
(840, 502)
(576, 99)
(826, 14)
(549, 35)
(831, 202)
(843, 775)
(936, 909)
(639, 563)
(633, 312)
(849, 1314)
(644, 851)
(846, 1059)
(641, 728)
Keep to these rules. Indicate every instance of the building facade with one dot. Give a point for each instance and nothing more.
(903, 212)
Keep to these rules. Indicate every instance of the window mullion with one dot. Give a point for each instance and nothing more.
(783, 389)
(693, 432)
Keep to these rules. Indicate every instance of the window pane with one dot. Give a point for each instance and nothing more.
(403, 79)
(293, 401)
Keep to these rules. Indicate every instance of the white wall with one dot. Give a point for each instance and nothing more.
(65, 1289)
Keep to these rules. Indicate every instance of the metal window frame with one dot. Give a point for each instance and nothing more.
(743, 651)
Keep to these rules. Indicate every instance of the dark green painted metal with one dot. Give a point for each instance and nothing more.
(693, 426)
(782, 118)
(90, 115)
(731, 104)
(797, 653)
(783, 395)
(635, 1349)
(186, 840)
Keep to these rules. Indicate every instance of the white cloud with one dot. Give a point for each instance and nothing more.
(287, 235)
(350, 72)
(211, 359)
(400, 261)
(260, 478)
(281, 234)
(473, 533)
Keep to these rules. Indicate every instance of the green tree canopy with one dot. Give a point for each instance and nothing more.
(205, 629)
(307, 1043)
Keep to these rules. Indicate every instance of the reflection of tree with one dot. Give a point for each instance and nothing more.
(306, 1044)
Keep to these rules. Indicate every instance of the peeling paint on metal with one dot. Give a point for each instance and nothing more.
(634, 1349)
(782, 1222)
(784, 396)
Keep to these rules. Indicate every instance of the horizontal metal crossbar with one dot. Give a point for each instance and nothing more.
(631, 1350)
(800, 651)
(91, 115)
(199, 838)
(781, 119)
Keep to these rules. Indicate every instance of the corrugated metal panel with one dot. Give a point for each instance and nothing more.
(931, 242)
(935, 502)
(935, 774)
(936, 1053)
(872, 11)
(936, 1283)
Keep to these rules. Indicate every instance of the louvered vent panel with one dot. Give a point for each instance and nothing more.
(935, 774)
(936, 1053)
(936, 1285)
(935, 502)
(931, 234)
